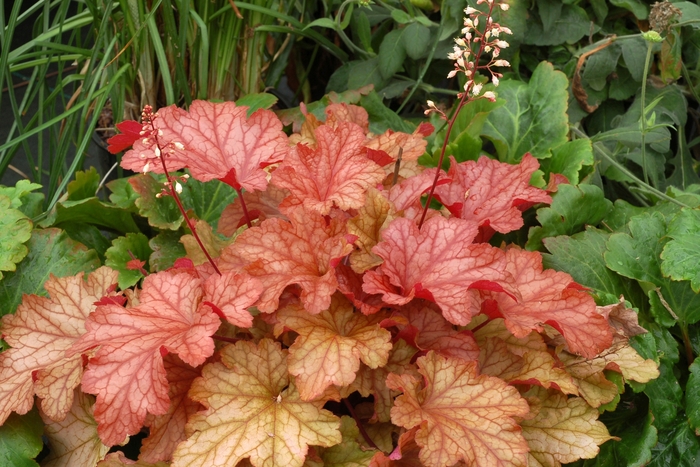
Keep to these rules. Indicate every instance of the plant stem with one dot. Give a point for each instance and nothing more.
(644, 112)
(360, 426)
(230, 340)
(245, 209)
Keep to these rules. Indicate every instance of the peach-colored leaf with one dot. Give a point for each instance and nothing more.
(366, 226)
(490, 192)
(373, 381)
(553, 298)
(342, 112)
(438, 263)
(302, 251)
(253, 411)
(74, 441)
(331, 344)
(127, 372)
(350, 285)
(219, 142)
(40, 332)
(623, 320)
(461, 416)
(260, 205)
(336, 173)
(232, 293)
(168, 430)
(118, 459)
(563, 429)
(412, 145)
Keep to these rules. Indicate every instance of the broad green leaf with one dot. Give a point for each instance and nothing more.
(671, 61)
(362, 29)
(364, 72)
(635, 6)
(677, 446)
(681, 256)
(665, 397)
(569, 26)
(120, 253)
(533, 118)
(572, 208)
(91, 211)
(400, 16)
(689, 12)
(90, 236)
(322, 22)
(348, 453)
(15, 230)
(84, 186)
(692, 396)
(20, 440)
(568, 159)
(162, 211)
(51, 251)
(18, 192)
(392, 53)
(207, 199)
(382, 117)
(600, 65)
(166, 248)
(637, 255)
(634, 52)
(123, 194)
(260, 100)
(416, 40)
(638, 437)
(581, 255)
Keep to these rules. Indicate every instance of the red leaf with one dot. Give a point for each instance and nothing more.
(547, 298)
(219, 142)
(130, 132)
(127, 372)
(302, 251)
(260, 205)
(438, 262)
(489, 192)
(350, 285)
(412, 145)
(337, 172)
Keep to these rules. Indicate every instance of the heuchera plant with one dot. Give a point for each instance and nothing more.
(349, 322)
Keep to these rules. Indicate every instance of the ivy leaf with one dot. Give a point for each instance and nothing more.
(534, 119)
(451, 406)
(563, 429)
(553, 298)
(253, 410)
(20, 440)
(491, 193)
(74, 441)
(317, 247)
(232, 293)
(127, 372)
(331, 344)
(51, 251)
(219, 142)
(123, 250)
(437, 262)
(40, 333)
(166, 431)
(16, 229)
(681, 258)
(337, 172)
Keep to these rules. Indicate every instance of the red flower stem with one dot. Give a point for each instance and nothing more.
(230, 340)
(465, 98)
(245, 209)
(360, 426)
(173, 192)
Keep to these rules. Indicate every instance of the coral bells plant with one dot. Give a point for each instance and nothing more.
(346, 320)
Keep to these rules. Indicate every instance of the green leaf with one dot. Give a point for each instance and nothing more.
(634, 52)
(18, 192)
(665, 397)
(91, 211)
(572, 208)
(166, 248)
(15, 230)
(681, 256)
(321, 22)
(51, 251)
(207, 199)
(401, 16)
(600, 65)
(392, 53)
(635, 6)
(677, 446)
(84, 186)
(569, 26)
(581, 255)
(120, 253)
(260, 100)
(20, 439)
(416, 40)
(123, 194)
(569, 158)
(671, 60)
(382, 117)
(689, 12)
(638, 437)
(347, 453)
(364, 72)
(533, 118)
(90, 236)
(161, 212)
(363, 30)
(692, 396)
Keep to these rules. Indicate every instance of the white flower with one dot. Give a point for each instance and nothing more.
(504, 6)
(490, 96)
(501, 63)
(501, 44)
(146, 167)
(506, 30)
(476, 90)
(470, 11)
(178, 187)
(452, 74)
(494, 78)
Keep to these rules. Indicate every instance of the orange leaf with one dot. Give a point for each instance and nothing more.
(232, 294)
(168, 430)
(74, 441)
(405, 454)
(562, 430)
(366, 226)
(127, 373)
(336, 173)
(253, 410)
(331, 344)
(118, 459)
(40, 332)
(413, 145)
(302, 251)
(260, 205)
(461, 416)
